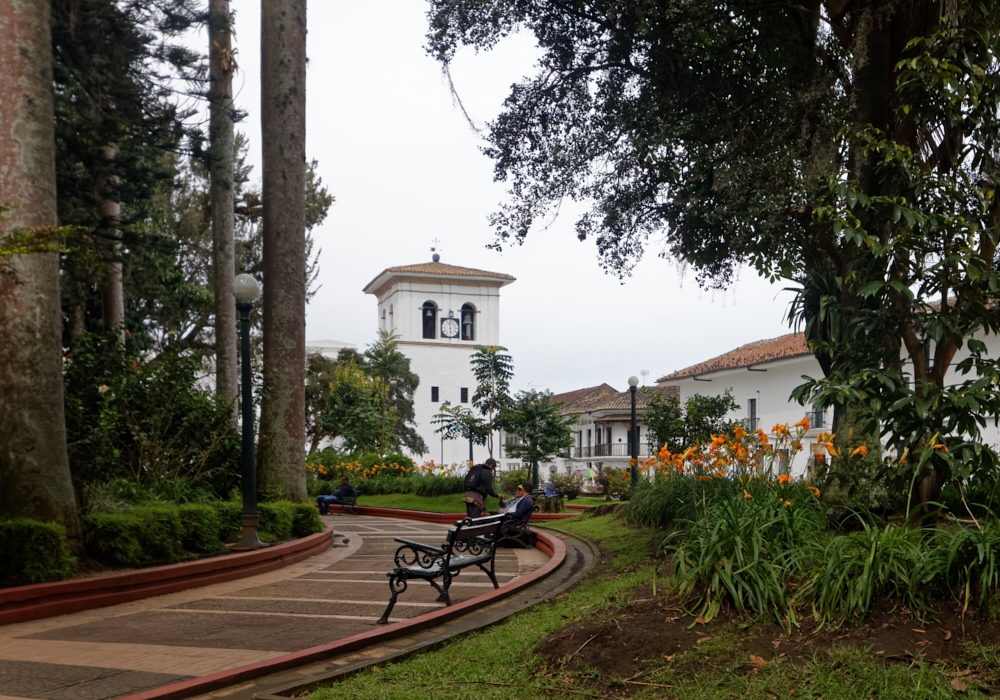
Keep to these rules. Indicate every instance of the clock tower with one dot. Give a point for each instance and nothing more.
(440, 312)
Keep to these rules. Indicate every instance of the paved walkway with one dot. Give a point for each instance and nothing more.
(115, 651)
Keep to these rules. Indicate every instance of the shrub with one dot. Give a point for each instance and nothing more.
(33, 552)
(230, 524)
(861, 568)
(569, 485)
(437, 485)
(306, 520)
(201, 527)
(147, 534)
(965, 562)
(276, 520)
(509, 480)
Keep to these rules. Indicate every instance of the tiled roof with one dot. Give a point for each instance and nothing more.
(618, 401)
(570, 397)
(755, 353)
(440, 268)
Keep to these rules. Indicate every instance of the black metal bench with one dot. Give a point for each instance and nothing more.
(347, 502)
(472, 542)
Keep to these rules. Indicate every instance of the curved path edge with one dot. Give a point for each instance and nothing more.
(33, 602)
(547, 543)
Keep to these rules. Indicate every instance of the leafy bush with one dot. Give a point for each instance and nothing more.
(230, 523)
(146, 421)
(201, 527)
(145, 535)
(121, 495)
(33, 552)
(437, 485)
(306, 520)
(861, 568)
(569, 485)
(419, 484)
(509, 480)
(276, 520)
(965, 562)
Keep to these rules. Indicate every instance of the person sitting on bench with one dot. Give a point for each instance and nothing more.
(343, 491)
(521, 506)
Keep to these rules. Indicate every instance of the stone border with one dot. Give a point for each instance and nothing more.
(427, 516)
(553, 546)
(36, 601)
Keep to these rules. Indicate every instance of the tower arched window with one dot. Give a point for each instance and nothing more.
(429, 312)
(383, 319)
(468, 322)
(392, 326)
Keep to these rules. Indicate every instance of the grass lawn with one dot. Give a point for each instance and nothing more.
(502, 662)
(452, 503)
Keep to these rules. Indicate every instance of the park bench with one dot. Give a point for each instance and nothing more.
(472, 542)
(347, 502)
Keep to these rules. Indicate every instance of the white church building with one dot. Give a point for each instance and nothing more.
(440, 312)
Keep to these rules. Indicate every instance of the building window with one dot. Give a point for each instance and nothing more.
(429, 312)
(465, 394)
(751, 414)
(391, 326)
(434, 394)
(468, 322)
(588, 437)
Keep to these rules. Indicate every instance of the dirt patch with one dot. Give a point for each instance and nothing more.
(619, 642)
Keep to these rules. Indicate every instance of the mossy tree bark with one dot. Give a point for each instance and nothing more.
(281, 462)
(34, 466)
(221, 155)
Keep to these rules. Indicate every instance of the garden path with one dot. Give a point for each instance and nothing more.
(123, 649)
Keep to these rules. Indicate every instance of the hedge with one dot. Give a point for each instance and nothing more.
(169, 533)
(33, 552)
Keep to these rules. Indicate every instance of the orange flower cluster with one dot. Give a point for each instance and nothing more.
(745, 456)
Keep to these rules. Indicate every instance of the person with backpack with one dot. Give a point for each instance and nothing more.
(479, 485)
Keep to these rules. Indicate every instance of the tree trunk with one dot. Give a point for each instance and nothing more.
(220, 99)
(112, 293)
(283, 121)
(34, 466)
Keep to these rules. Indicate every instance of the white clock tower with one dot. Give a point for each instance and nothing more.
(440, 313)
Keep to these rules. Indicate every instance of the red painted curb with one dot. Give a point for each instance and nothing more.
(431, 517)
(551, 545)
(574, 506)
(36, 601)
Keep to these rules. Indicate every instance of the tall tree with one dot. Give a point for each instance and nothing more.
(34, 466)
(221, 152)
(820, 142)
(281, 461)
(541, 431)
(493, 370)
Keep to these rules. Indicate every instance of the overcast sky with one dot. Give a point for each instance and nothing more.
(405, 168)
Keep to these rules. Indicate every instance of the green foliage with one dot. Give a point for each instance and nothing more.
(276, 520)
(541, 432)
(353, 409)
(568, 485)
(614, 481)
(695, 423)
(201, 527)
(460, 423)
(417, 484)
(145, 535)
(493, 369)
(391, 369)
(147, 422)
(508, 480)
(306, 520)
(33, 552)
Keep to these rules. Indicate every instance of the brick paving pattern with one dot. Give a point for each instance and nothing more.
(127, 648)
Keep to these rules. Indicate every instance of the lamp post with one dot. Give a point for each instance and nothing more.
(246, 290)
(633, 383)
(445, 405)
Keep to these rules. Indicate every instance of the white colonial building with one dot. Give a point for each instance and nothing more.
(762, 375)
(440, 313)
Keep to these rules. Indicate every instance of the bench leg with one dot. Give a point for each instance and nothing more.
(444, 597)
(397, 586)
(489, 572)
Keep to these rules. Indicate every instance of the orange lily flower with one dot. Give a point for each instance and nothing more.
(784, 478)
(862, 450)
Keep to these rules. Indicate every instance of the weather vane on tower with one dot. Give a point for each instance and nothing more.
(436, 249)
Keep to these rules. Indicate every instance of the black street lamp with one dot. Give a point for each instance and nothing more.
(633, 383)
(246, 290)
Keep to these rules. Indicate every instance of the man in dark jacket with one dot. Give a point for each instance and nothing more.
(475, 498)
(343, 491)
(521, 507)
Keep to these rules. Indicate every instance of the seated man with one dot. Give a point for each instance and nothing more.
(343, 491)
(521, 506)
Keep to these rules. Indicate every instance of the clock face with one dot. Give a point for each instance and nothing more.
(449, 328)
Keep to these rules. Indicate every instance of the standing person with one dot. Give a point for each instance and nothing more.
(343, 491)
(479, 485)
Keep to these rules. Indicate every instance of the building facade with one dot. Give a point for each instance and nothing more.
(440, 312)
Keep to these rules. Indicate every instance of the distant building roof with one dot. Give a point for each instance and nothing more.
(615, 400)
(568, 398)
(755, 353)
(435, 269)
(327, 348)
